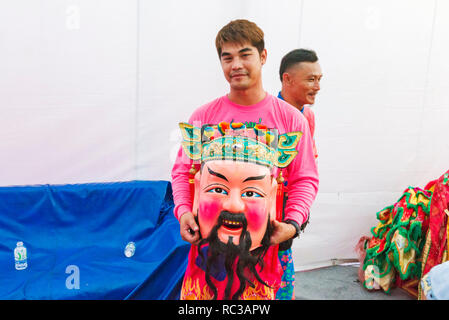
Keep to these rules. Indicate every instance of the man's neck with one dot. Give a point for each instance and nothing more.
(247, 97)
(291, 101)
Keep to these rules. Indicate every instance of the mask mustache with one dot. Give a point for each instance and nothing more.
(228, 218)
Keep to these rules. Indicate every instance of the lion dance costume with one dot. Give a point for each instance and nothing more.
(409, 240)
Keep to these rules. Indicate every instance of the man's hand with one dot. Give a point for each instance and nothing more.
(189, 229)
(281, 232)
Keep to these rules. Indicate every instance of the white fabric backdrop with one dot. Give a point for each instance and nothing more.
(92, 91)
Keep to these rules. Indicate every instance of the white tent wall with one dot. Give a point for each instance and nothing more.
(92, 91)
(380, 116)
(67, 91)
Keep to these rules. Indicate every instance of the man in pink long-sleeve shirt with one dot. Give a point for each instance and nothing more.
(242, 54)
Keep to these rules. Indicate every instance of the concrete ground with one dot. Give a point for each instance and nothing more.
(339, 283)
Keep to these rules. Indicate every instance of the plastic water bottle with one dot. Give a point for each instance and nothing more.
(130, 249)
(20, 256)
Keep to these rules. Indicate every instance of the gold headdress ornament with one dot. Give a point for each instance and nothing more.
(234, 141)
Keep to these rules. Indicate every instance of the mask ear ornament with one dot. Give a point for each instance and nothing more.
(191, 141)
(287, 148)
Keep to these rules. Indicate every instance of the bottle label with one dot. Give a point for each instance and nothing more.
(20, 254)
(20, 257)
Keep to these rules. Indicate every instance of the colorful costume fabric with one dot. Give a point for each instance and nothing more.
(397, 241)
(410, 239)
(195, 287)
(287, 288)
(436, 239)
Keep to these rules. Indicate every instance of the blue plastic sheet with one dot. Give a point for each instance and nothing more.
(76, 235)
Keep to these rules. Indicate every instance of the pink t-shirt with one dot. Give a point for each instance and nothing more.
(301, 174)
(310, 116)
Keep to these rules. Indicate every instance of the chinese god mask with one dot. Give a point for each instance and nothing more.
(235, 189)
(241, 196)
(235, 196)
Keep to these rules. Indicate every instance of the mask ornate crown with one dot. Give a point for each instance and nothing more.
(234, 141)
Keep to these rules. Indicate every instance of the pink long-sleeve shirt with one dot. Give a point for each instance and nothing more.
(301, 174)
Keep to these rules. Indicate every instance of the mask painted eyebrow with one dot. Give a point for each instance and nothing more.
(219, 175)
(254, 178)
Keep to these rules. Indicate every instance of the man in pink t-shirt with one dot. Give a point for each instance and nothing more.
(241, 50)
(300, 74)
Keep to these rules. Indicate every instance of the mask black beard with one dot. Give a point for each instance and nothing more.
(246, 258)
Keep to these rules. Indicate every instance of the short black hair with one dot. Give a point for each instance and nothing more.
(294, 57)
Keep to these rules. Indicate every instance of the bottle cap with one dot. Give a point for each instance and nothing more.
(130, 249)
(19, 243)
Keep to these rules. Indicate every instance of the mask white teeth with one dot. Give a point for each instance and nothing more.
(234, 223)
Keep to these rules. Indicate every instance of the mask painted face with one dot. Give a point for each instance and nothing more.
(238, 193)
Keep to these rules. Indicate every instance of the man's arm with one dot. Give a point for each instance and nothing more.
(182, 197)
(181, 185)
(303, 179)
(282, 231)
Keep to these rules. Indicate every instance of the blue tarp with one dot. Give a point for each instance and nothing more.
(76, 235)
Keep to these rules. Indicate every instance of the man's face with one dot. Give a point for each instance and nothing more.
(242, 65)
(237, 191)
(303, 82)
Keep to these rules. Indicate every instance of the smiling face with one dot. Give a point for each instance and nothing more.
(236, 193)
(302, 81)
(242, 65)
